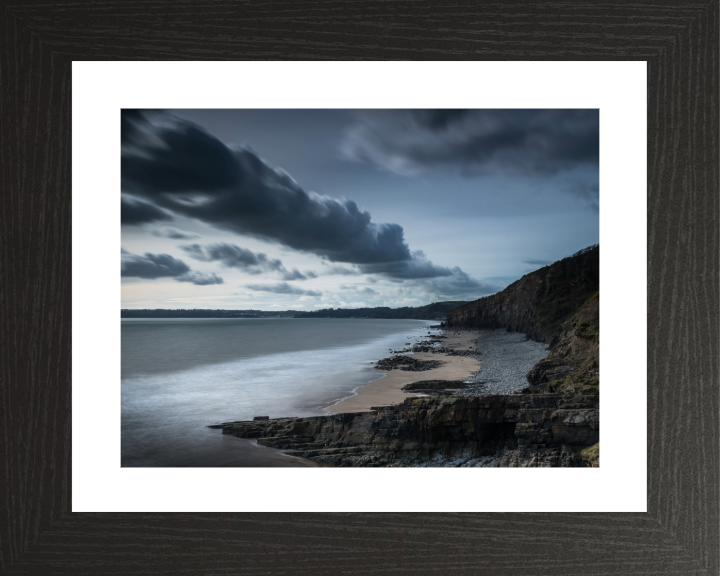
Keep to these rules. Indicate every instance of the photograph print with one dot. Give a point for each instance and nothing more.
(360, 288)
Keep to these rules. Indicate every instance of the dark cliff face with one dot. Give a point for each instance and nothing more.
(539, 303)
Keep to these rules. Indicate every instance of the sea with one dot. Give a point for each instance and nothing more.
(181, 375)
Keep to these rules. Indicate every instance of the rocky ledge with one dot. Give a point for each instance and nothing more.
(520, 430)
(406, 363)
(436, 387)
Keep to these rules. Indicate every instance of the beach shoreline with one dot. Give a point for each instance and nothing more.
(386, 391)
(470, 384)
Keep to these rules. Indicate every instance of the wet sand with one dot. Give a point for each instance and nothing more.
(225, 451)
(249, 454)
(386, 391)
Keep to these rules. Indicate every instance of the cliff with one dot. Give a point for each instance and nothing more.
(544, 430)
(554, 422)
(558, 304)
(573, 365)
(539, 303)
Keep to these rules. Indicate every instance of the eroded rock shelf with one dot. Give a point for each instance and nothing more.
(520, 430)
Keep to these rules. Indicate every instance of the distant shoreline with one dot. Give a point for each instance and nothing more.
(436, 311)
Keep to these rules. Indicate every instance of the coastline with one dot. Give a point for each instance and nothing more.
(485, 420)
(530, 404)
(386, 391)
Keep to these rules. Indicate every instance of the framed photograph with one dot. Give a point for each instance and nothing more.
(99, 478)
(321, 237)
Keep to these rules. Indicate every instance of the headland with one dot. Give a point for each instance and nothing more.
(461, 400)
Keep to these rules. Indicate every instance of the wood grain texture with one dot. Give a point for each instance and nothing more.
(681, 531)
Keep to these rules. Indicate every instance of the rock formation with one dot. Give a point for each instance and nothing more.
(407, 363)
(528, 430)
(573, 365)
(539, 303)
(553, 422)
(558, 304)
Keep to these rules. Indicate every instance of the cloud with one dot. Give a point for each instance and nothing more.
(488, 142)
(294, 274)
(334, 269)
(588, 193)
(133, 212)
(200, 278)
(438, 119)
(282, 288)
(401, 303)
(357, 290)
(459, 285)
(416, 267)
(182, 168)
(232, 256)
(534, 262)
(152, 266)
(174, 233)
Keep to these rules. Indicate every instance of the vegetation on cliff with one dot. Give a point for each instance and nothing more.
(436, 310)
(573, 365)
(591, 455)
(540, 302)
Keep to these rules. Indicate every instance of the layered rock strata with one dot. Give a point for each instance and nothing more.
(437, 387)
(521, 430)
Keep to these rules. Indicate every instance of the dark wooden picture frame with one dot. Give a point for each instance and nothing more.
(680, 533)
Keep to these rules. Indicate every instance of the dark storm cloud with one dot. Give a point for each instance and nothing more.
(514, 142)
(152, 266)
(416, 267)
(534, 262)
(184, 169)
(459, 285)
(134, 212)
(438, 119)
(174, 233)
(588, 193)
(282, 288)
(130, 121)
(232, 256)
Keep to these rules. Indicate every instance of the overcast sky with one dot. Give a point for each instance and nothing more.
(308, 209)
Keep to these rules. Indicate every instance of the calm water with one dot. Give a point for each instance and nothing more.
(179, 375)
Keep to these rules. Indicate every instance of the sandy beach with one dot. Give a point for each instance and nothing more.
(387, 390)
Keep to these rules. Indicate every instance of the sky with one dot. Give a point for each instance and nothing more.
(309, 209)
